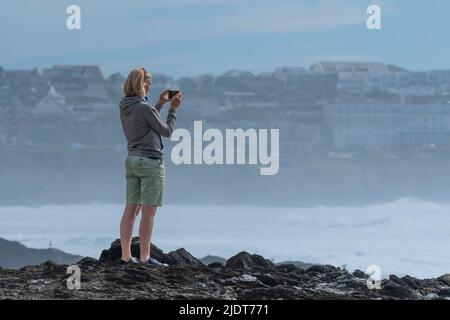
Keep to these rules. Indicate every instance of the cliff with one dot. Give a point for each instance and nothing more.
(15, 255)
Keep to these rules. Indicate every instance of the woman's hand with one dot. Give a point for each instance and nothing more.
(176, 101)
(164, 97)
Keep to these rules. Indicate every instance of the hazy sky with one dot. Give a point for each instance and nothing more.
(192, 37)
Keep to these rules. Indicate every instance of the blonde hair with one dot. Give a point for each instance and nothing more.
(134, 85)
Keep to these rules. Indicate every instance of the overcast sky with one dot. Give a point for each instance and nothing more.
(192, 37)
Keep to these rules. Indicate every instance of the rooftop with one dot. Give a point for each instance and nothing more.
(85, 71)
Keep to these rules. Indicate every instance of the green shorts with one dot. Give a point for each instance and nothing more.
(145, 180)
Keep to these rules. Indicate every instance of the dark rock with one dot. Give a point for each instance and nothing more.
(215, 265)
(353, 283)
(88, 261)
(246, 276)
(319, 268)
(181, 256)
(444, 292)
(245, 260)
(210, 259)
(288, 267)
(359, 274)
(49, 264)
(411, 282)
(445, 279)
(393, 289)
(267, 279)
(114, 253)
(298, 264)
(397, 280)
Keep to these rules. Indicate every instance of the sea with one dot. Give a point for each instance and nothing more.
(407, 236)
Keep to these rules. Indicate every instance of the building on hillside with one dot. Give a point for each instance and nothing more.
(203, 85)
(77, 83)
(115, 83)
(53, 103)
(359, 125)
(233, 80)
(425, 87)
(313, 85)
(361, 78)
(26, 86)
(242, 99)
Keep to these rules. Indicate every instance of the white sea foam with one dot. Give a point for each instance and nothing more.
(408, 236)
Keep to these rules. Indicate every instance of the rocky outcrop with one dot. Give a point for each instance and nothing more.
(244, 276)
(179, 256)
(245, 260)
(210, 259)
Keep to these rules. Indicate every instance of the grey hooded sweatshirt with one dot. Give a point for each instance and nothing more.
(143, 126)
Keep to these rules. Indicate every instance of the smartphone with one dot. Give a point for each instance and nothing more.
(173, 93)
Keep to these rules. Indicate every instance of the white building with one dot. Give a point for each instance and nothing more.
(387, 126)
(284, 73)
(78, 82)
(52, 103)
(360, 78)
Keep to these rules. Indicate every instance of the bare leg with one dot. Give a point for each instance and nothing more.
(145, 231)
(126, 230)
(138, 209)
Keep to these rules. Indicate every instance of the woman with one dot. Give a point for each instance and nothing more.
(143, 128)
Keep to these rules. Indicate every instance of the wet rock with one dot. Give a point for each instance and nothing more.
(298, 264)
(396, 290)
(210, 259)
(397, 280)
(445, 279)
(245, 260)
(444, 292)
(88, 261)
(286, 267)
(319, 268)
(359, 274)
(411, 282)
(431, 296)
(267, 279)
(50, 264)
(215, 264)
(245, 276)
(181, 256)
(114, 253)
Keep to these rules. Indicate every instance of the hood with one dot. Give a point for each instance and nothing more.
(127, 104)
